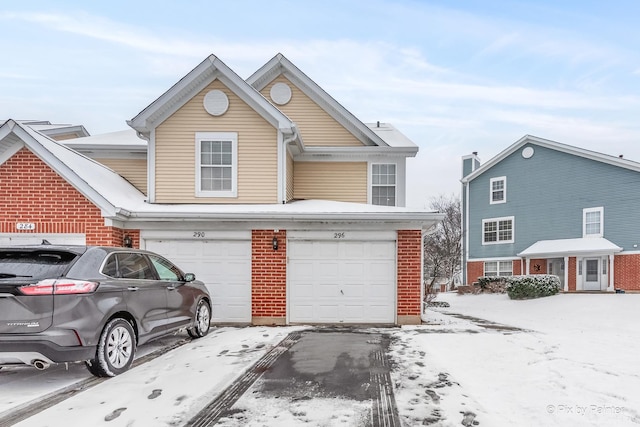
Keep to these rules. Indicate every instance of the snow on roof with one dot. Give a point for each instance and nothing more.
(127, 138)
(563, 247)
(96, 181)
(296, 210)
(389, 134)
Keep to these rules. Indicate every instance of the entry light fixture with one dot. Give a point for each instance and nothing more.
(128, 243)
(274, 243)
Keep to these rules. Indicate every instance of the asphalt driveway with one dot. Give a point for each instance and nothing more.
(345, 364)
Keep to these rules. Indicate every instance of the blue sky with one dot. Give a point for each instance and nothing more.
(455, 76)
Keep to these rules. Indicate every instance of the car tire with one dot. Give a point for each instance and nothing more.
(201, 320)
(116, 349)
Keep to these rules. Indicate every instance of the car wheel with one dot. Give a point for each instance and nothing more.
(116, 349)
(201, 321)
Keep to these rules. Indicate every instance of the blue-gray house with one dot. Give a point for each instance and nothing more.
(542, 207)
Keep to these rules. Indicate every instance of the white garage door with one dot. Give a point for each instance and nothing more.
(223, 265)
(37, 238)
(342, 281)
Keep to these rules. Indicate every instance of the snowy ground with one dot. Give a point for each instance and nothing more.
(572, 362)
(577, 364)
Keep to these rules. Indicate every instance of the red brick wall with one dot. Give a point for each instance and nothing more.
(30, 191)
(475, 269)
(572, 274)
(517, 267)
(538, 266)
(626, 269)
(268, 274)
(409, 272)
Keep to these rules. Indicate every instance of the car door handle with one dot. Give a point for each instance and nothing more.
(133, 288)
(171, 288)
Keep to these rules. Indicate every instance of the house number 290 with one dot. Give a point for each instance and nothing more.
(338, 235)
(198, 234)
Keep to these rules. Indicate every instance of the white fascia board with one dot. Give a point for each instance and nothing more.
(429, 219)
(314, 153)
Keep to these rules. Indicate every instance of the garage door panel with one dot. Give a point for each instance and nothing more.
(326, 313)
(342, 281)
(353, 313)
(223, 265)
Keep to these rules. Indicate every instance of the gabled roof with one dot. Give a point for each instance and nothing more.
(553, 145)
(279, 65)
(197, 79)
(52, 129)
(101, 185)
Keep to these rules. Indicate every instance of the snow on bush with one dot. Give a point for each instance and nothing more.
(532, 286)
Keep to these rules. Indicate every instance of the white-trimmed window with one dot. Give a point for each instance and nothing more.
(216, 164)
(383, 184)
(498, 268)
(593, 222)
(498, 190)
(497, 230)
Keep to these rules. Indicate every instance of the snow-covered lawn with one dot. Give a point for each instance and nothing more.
(574, 361)
(576, 365)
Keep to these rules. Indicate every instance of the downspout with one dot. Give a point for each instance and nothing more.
(283, 162)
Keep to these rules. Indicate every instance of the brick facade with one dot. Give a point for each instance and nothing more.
(627, 272)
(409, 268)
(475, 269)
(538, 266)
(268, 277)
(34, 193)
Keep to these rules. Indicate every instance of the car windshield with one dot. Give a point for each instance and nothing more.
(35, 264)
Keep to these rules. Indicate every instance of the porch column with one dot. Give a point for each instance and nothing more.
(527, 262)
(566, 274)
(611, 287)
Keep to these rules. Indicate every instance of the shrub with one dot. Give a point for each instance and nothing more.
(492, 284)
(532, 286)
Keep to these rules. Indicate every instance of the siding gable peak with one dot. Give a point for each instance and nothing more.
(279, 65)
(553, 145)
(190, 85)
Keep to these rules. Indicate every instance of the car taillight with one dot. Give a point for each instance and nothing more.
(59, 287)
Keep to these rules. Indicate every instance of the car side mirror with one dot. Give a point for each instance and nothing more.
(189, 277)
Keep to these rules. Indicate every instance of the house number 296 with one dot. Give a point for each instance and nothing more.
(198, 234)
(338, 235)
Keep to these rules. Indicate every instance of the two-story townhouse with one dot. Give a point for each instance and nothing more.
(287, 206)
(542, 207)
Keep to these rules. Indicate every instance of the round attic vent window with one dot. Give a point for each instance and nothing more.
(216, 102)
(280, 93)
(527, 152)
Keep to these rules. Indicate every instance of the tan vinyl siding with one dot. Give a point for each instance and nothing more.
(316, 126)
(340, 181)
(175, 151)
(133, 170)
(290, 171)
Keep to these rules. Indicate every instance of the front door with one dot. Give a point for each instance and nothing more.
(592, 274)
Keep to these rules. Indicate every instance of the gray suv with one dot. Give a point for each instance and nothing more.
(93, 304)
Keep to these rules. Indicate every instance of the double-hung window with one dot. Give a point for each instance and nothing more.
(383, 184)
(593, 222)
(217, 164)
(498, 268)
(498, 190)
(497, 230)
